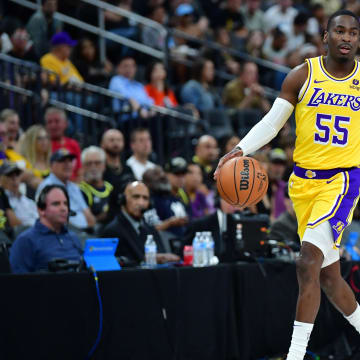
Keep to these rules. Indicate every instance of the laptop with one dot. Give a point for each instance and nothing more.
(100, 254)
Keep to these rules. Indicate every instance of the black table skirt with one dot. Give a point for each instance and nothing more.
(242, 311)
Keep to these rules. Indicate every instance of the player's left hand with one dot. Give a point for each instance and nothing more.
(233, 153)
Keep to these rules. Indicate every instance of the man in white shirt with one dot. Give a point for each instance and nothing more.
(141, 146)
(281, 14)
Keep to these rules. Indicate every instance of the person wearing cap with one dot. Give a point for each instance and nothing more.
(57, 60)
(24, 208)
(277, 187)
(8, 219)
(42, 26)
(61, 166)
(186, 23)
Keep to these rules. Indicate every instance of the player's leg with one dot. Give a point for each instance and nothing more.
(340, 294)
(308, 267)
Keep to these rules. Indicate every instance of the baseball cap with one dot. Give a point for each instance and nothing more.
(8, 168)
(177, 165)
(277, 155)
(184, 9)
(61, 38)
(61, 154)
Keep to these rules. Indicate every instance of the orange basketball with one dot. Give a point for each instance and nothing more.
(242, 181)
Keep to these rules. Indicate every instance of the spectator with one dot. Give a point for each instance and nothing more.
(116, 172)
(253, 15)
(124, 84)
(255, 42)
(206, 156)
(230, 16)
(130, 228)
(12, 122)
(120, 25)
(186, 24)
(245, 92)
(58, 60)
(86, 59)
(281, 13)
(36, 147)
(96, 191)
(175, 171)
(24, 208)
(296, 32)
(223, 60)
(191, 193)
(285, 228)
(277, 187)
(198, 90)
(229, 143)
(42, 26)
(22, 46)
(157, 87)
(275, 47)
(169, 207)
(61, 165)
(141, 146)
(56, 124)
(153, 37)
(49, 238)
(6, 153)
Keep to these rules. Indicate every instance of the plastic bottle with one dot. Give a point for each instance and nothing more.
(150, 251)
(239, 238)
(210, 247)
(197, 250)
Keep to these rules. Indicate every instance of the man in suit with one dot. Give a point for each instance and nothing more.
(130, 228)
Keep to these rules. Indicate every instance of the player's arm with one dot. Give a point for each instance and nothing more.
(269, 126)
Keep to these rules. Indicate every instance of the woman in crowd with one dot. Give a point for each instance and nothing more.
(35, 146)
(157, 87)
(86, 59)
(199, 90)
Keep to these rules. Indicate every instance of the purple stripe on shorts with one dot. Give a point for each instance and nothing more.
(339, 221)
(317, 174)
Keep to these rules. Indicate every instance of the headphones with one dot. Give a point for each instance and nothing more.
(41, 201)
(121, 198)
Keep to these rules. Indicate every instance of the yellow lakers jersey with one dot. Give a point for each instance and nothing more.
(328, 119)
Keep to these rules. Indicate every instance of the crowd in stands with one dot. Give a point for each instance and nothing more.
(115, 187)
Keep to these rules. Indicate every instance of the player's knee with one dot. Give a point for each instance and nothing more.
(306, 270)
(328, 282)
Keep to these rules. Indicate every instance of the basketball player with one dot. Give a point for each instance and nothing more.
(324, 185)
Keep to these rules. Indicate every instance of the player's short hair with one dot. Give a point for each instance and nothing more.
(339, 13)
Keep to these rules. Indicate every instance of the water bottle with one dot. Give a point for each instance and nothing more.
(239, 238)
(203, 248)
(150, 251)
(210, 247)
(196, 250)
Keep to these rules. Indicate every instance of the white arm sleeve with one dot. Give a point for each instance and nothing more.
(269, 126)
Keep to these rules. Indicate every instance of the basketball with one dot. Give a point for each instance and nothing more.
(242, 181)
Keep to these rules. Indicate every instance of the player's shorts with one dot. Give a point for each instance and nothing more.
(324, 195)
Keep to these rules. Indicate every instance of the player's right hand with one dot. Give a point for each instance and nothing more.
(233, 153)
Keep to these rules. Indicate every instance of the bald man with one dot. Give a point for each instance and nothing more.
(206, 156)
(130, 228)
(116, 173)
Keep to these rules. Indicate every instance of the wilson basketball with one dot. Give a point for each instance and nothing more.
(242, 181)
